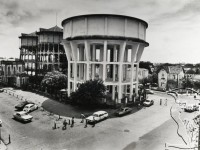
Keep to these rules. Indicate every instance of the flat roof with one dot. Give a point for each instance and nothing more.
(104, 15)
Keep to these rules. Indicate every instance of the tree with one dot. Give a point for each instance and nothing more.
(190, 71)
(172, 84)
(89, 93)
(197, 71)
(54, 81)
(187, 83)
(147, 65)
(197, 84)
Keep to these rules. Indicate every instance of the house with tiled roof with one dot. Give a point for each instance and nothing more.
(170, 77)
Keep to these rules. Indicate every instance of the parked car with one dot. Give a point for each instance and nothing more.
(22, 116)
(21, 105)
(191, 108)
(97, 116)
(30, 107)
(1, 90)
(123, 111)
(148, 91)
(148, 103)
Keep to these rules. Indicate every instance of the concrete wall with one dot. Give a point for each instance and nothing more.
(109, 26)
(50, 38)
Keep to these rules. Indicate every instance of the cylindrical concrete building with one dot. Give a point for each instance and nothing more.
(107, 47)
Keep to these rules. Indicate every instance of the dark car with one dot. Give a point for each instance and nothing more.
(148, 103)
(123, 111)
(1, 90)
(21, 105)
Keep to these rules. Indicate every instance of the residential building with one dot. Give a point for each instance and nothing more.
(170, 77)
(10, 69)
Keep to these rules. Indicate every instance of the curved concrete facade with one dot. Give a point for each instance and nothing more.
(107, 47)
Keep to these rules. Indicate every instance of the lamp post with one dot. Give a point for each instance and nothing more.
(0, 130)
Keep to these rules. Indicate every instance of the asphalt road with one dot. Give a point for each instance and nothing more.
(146, 129)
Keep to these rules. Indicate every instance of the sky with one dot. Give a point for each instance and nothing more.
(173, 32)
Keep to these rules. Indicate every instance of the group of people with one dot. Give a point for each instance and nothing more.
(72, 122)
(65, 123)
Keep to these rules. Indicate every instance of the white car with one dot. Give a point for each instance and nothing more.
(97, 116)
(148, 91)
(22, 116)
(30, 107)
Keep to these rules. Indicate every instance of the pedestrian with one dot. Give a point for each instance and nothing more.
(72, 122)
(85, 123)
(94, 121)
(160, 102)
(64, 124)
(166, 102)
(82, 117)
(54, 127)
(138, 106)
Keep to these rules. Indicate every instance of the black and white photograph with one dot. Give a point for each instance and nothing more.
(99, 75)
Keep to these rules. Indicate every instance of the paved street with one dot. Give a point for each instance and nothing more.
(146, 129)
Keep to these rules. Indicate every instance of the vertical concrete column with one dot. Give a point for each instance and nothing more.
(93, 59)
(113, 92)
(69, 78)
(139, 52)
(104, 60)
(67, 48)
(74, 53)
(87, 52)
(134, 50)
(119, 89)
(114, 60)
(122, 49)
(136, 86)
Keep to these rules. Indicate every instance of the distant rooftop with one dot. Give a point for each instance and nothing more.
(33, 34)
(53, 29)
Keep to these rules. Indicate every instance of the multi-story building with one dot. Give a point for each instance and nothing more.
(42, 51)
(50, 54)
(28, 49)
(102, 46)
(10, 70)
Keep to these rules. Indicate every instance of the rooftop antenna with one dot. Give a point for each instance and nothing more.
(56, 18)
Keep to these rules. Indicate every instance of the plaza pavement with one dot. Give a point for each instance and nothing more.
(155, 127)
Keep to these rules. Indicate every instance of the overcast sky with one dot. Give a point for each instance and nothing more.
(173, 32)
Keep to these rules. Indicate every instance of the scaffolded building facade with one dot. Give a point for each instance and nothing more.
(42, 51)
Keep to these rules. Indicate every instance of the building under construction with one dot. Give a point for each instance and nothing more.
(42, 51)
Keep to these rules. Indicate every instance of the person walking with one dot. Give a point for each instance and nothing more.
(64, 124)
(160, 102)
(72, 122)
(94, 122)
(82, 117)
